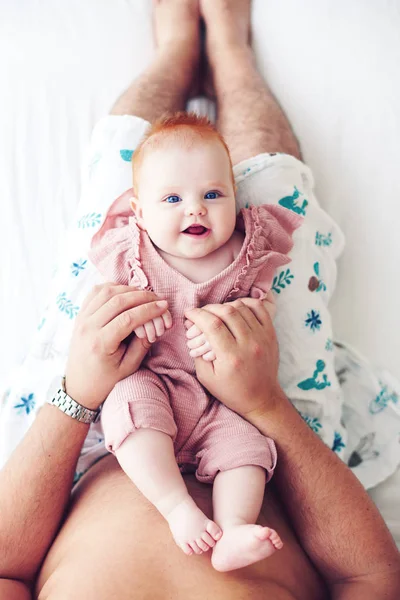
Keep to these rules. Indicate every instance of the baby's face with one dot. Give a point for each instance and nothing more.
(186, 198)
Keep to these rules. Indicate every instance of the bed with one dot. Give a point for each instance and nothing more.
(334, 69)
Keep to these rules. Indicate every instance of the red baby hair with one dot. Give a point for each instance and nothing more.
(182, 126)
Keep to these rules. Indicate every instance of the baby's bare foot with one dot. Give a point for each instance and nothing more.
(227, 23)
(191, 529)
(243, 545)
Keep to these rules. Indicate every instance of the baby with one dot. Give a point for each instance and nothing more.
(185, 242)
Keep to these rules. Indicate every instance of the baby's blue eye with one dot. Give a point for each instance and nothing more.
(212, 195)
(173, 199)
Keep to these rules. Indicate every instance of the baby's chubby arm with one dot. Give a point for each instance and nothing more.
(154, 328)
(199, 345)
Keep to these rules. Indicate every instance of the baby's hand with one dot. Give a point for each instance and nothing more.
(197, 343)
(155, 328)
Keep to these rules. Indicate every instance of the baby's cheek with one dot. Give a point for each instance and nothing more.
(164, 238)
(227, 223)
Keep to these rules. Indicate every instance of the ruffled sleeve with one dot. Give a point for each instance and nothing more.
(115, 249)
(269, 229)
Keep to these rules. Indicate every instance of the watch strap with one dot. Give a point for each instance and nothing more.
(73, 409)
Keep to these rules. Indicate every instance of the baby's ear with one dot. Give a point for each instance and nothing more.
(135, 205)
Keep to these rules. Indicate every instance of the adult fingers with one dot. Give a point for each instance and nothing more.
(219, 336)
(118, 303)
(133, 356)
(246, 313)
(101, 294)
(259, 310)
(123, 324)
(270, 304)
(204, 369)
(93, 292)
(232, 318)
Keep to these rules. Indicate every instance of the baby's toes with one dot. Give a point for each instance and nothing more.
(214, 530)
(275, 540)
(202, 544)
(195, 548)
(208, 539)
(186, 549)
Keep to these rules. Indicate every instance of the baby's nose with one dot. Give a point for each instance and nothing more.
(196, 209)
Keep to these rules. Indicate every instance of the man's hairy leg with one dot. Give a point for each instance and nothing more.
(165, 84)
(249, 117)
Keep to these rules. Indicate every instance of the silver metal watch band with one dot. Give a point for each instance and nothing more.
(72, 408)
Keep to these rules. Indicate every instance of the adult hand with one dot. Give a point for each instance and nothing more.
(100, 355)
(244, 375)
(199, 345)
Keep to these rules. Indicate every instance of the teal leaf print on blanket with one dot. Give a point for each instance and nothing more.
(315, 382)
(27, 404)
(338, 443)
(323, 240)
(66, 306)
(78, 266)
(42, 322)
(313, 320)
(380, 402)
(89, 220)
(329, 345)
(126, 155)
(282, 280)
(291, 203)
(314, 423)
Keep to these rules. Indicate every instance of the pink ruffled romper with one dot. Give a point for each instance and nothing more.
(165, 394)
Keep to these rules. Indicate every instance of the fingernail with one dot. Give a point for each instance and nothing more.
(162, 303)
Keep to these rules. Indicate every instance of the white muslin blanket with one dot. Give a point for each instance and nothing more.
(353, 407)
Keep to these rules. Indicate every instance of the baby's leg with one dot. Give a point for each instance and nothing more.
(237, 499)
(147, 457)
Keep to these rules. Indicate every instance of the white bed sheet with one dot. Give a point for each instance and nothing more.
(332, 65)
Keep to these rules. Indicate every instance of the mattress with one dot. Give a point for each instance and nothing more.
(334, 69)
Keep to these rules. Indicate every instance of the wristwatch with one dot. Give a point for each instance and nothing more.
(72, 408)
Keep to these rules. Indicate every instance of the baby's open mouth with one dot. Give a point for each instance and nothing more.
(198, 230)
